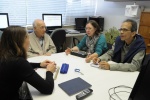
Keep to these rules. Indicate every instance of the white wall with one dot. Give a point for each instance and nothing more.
(113, 12)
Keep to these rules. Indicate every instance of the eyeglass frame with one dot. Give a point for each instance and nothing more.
(41, 27)
(123, 29)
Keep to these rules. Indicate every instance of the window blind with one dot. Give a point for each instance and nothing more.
(16, 10)
(78, 9)
(23, 12)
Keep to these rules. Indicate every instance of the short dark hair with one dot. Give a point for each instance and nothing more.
(95, 25)
(11, 44)
(133, 23)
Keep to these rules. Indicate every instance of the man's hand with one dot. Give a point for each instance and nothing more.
(104, 65)
(96, 60)
(47, 54)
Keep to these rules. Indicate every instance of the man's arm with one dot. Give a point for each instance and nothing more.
(108, 55)
(133, 66)
(32, 53)
(52, 47)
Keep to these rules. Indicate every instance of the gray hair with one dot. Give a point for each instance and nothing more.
(133, 23)
(35, 22)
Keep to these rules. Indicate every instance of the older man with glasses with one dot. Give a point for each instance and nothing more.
(127, 52)
(40, 43)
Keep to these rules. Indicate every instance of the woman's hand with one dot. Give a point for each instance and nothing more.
(51, 67)
(88, 58)
(68, 51)
(45, 63)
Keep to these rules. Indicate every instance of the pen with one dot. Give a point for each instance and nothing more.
(56, 74)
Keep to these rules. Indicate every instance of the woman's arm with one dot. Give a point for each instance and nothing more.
(26, 73)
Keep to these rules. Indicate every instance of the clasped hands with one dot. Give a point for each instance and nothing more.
(102, 64)
(49, 65)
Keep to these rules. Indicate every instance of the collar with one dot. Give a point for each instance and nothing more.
(126, 45)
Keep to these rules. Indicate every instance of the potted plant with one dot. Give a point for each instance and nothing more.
(111, 35)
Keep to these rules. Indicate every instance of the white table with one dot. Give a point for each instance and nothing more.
(101, 80)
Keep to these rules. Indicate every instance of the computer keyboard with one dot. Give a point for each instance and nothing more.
(71, 31)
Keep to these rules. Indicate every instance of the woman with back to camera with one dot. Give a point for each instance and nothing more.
(14, 68)
(93, 42)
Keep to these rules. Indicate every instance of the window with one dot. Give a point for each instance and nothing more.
(16, 10)
(23, 12)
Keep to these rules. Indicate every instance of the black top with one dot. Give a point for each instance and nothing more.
(15, 71)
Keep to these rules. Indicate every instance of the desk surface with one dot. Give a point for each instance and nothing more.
(73, 35)
(101, 80)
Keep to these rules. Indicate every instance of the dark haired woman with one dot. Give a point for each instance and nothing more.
(14, 68)
(94, 42)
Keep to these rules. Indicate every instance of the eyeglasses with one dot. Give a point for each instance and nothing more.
(42, 27)
(88, 28)
(123, 29)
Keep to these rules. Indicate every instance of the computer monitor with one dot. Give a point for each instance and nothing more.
(100, 22)
(80, 23)
(141, 89)
(52, 21)
(4, 21)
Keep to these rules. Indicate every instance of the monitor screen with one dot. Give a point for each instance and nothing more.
(80, 23)
(4, 21)
(52, 21)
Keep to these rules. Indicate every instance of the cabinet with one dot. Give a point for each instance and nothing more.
(144, 29)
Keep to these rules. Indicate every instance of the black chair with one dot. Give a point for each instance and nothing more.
(75, 41)
(59, 37)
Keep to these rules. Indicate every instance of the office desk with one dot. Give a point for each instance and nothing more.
(101, 80)
(69, 38)
(73, 35)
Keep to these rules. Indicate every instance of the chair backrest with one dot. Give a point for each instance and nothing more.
(75, 41)
(59, 37)
(0, 34)
(141, 87)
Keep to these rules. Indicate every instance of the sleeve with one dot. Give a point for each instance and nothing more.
(82, 43)
(133, 66)
(31, 52)
(100, 45)
(35, 65)
(108, 55)
(26, 73)
(52, 47)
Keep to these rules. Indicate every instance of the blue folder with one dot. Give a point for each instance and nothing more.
(74, 86)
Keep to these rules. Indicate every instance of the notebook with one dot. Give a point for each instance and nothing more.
(74, 86)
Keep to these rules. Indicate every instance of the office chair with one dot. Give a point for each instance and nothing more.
(0, 34)
(59, 37)
(75, 41)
